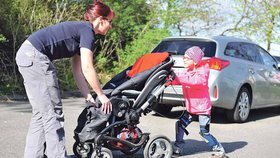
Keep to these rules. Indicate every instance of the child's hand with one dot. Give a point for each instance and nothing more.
(168, 83)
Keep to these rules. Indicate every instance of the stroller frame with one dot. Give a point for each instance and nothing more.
(128, 106)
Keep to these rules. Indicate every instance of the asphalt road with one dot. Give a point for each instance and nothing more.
(257, 138)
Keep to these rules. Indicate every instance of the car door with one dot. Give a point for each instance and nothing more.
(256, 73)
(273, 74)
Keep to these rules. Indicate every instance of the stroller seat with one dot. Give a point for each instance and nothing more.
(133, 80)
(146, 75)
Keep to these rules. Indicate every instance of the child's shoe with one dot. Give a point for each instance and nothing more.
(219, 156)
(178, 148)
(219, 151)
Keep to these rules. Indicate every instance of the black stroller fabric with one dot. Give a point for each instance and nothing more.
(117, 80)
(91, 122)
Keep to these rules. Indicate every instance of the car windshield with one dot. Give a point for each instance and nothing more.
(179, 46)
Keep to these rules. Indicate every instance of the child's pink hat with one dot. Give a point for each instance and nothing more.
(195, 53)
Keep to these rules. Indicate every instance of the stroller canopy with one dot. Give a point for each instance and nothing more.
(147, 61)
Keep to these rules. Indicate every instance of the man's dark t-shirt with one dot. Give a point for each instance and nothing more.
(64, 39)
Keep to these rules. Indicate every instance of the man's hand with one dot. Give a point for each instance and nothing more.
(106, 106)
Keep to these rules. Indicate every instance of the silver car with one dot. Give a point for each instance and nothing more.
(243, 75)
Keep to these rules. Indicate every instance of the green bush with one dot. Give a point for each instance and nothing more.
(142, 45)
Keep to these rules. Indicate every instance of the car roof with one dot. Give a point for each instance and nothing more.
(221, 41)
(217, 39)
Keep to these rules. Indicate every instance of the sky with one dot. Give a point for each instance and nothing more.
(274, 50)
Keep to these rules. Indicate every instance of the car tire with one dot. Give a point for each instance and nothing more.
(241, 110)
(162, 109)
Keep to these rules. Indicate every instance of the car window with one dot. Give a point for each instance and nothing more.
(234, 49)
(252, 52)
(277, 58)
(179, 46)
(242, 50)
(267, 58)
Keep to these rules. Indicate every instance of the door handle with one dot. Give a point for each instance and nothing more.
(251, 70)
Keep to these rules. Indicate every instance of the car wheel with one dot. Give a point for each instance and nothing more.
(162, 109)
(241, 110)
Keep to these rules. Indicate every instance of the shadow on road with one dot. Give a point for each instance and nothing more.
(194, 146)
(264, 113)
(191, 147)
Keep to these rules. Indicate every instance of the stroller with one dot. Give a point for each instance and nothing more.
(131, 94)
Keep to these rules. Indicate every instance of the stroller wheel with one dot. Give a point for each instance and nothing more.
(158, 146)
(82, 149)
(105, 153)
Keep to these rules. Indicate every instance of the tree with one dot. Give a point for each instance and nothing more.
(21, 18)
(258, 20)
(132, 20)
(187, 17)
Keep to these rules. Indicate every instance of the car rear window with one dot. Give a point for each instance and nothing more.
(179, 46)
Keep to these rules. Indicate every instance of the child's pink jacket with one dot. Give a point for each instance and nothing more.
(195, 89)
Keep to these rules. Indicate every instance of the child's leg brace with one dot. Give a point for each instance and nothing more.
(181, 125)
(204, 122)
